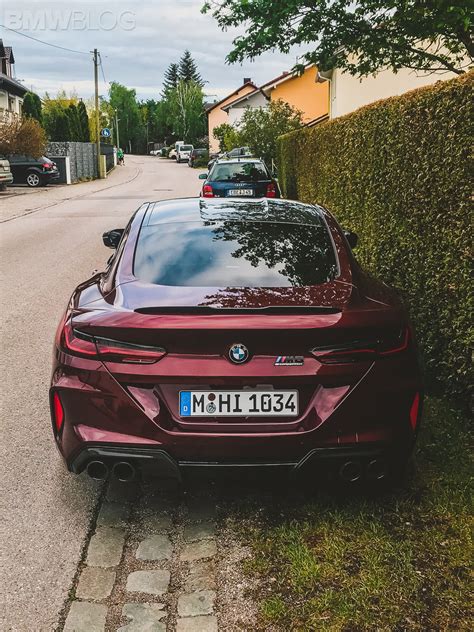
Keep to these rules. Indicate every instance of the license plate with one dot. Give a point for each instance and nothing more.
(238, 403)
(237, 192)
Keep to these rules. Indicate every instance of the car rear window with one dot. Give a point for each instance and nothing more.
(235, 254)
(239, 172)
(185, 148)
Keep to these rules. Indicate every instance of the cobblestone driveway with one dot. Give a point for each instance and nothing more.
(156, 562)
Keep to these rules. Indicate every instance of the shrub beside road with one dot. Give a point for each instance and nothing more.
(397, 172)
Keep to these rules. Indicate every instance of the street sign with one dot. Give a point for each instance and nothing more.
(105, 132)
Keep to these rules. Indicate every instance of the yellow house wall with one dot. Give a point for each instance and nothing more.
(217, 116)
(304, 94)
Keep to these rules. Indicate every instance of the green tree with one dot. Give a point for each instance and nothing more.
(362, 36)
(188, 70)
(260, 128)
(60, 130)
(186, 104)
(83, 122)
(227, 136)
(32, 106)
(131, 128)
(74, 123)
(171, 78)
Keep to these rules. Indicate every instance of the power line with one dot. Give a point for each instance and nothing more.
(70, 50)
(102, 70)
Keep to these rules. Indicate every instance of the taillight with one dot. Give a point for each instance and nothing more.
(117, 351)
(363, 350)
(414, 410)
(47, 165)
(271, 190)
(78, 343)
(207, 191)
(58, 412)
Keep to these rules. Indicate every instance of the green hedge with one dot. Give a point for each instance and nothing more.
(398, 173)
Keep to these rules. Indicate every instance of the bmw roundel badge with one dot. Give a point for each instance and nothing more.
(238, 353)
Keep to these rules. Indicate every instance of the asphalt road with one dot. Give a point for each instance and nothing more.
(50, 241)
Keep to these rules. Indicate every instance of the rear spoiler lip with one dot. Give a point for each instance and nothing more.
(208, 309)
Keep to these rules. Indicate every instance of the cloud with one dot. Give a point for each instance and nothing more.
(137, 42)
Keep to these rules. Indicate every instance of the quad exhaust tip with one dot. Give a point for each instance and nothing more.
(124, 471)
(350, 471)
(97, 470)
(376, 470)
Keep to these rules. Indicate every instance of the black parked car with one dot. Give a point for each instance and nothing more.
(35, 172)
(196, 153)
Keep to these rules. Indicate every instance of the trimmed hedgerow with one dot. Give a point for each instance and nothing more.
(398, 173)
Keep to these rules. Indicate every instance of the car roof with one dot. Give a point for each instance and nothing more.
(236, 160)
(184, 210)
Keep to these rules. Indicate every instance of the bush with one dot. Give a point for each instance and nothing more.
(397, 172)
(22, 136)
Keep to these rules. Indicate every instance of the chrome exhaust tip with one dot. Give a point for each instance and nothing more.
(97, 470)
(124, 471)
(350, 471)
(376, 470)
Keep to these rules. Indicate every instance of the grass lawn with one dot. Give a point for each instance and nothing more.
(398, 561)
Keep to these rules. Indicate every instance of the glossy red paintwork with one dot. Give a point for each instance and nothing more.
(373, 401)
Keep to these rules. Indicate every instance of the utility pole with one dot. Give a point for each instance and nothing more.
(97, 117)
(117, 138)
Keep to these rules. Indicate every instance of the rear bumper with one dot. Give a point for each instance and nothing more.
(6, 178)
(161, 462)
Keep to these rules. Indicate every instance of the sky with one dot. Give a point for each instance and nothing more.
(137, 41)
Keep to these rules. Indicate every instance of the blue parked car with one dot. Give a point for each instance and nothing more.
(241, 177)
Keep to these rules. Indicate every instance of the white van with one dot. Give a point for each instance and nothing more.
(183, 153)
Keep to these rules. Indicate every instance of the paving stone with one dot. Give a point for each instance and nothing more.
(197, 624)
(196, 603)
(156, 547)
(105, 547)
(113, 515)
(151, 582)
(202, 576)
(122, 492)
(95, 583)
(198, 550)
(86, 617)
(199, 531)
(145, 617)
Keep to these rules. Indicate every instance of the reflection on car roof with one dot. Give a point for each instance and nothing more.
(225, 209)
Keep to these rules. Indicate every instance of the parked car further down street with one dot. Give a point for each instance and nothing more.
(183, 153)
(6, 176)
(237, 152)
(34, 172)
(196, 153)
(244, 333)
(242, 177)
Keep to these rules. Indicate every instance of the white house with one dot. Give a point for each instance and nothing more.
(11, 90)
(253, 100)
(348, 93)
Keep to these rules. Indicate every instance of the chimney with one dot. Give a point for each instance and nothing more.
(247, 80)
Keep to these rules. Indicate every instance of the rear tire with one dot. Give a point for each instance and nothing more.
(33, 180)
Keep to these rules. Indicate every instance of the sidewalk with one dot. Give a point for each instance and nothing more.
(18, 201)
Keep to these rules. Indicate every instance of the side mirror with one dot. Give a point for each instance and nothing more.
(112, 238)
(352, 238)
(203, 176)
